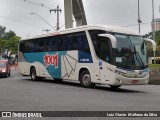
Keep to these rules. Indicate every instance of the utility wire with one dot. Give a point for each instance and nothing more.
(37, 4)
(19, 21)
(135, 24)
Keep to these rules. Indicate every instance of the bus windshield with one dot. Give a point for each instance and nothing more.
(130, 52)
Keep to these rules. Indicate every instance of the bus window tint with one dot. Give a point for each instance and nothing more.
(69, 45)
(22, 46)
(50, 44)
(74, 41)
(101, 45)
(85, 42)
(82, 42)
(79, 41)
(55, 44)
(64, 42)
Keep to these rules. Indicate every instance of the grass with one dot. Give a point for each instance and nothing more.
(154, 65)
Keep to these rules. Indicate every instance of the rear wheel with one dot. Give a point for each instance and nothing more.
(58, 80)
(85, 79)
(33, 74)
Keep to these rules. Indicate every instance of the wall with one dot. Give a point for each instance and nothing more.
(154, 77)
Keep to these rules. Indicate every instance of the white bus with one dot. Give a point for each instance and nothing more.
(92, 54)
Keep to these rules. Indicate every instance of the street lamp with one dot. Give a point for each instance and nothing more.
(153, 28)
(153, 20)
(43, 20)
(139, 20)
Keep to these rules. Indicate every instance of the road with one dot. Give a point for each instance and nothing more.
(18, 93)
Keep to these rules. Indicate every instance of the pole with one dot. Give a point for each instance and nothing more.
(153, 21)
(57, 17)
(57, 10)
(139, 21)
(1, 54)
(153, 28)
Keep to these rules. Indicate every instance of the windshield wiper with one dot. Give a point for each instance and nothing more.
(139, 57)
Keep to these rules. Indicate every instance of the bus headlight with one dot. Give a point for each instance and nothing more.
(120, 72)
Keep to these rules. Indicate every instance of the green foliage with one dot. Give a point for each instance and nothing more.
(157, 36)
(2, 31)
(154, 65)
(8, 40)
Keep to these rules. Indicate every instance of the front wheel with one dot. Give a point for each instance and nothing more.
(115, 86)
(85, 79)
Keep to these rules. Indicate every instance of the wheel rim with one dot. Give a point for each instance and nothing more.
(33, 75)
(86, 79)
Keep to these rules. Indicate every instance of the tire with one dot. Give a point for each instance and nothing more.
(33, 74)
(40, 78)
(6, 76)
(115, 86)
(9, 75)
(85, 79)
(58, 80)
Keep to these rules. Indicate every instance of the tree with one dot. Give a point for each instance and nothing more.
(13, 43)
(157, 36)
(8, 40)
(9, 35)
(2, 31)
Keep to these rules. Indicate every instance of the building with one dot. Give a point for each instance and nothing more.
(157, 24)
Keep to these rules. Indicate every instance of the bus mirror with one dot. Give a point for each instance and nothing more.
(112, 38)
(153, 43)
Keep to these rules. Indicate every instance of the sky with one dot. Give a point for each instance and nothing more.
(15, 14)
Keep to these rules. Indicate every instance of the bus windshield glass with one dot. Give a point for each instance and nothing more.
(130, 52)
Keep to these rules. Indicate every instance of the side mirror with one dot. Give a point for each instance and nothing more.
(112, 38)
(153, 43)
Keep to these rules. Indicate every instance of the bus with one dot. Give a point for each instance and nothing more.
(91, 54)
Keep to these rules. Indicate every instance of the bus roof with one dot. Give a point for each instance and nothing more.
(108, 28)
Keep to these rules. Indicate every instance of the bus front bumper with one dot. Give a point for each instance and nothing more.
(121, 80)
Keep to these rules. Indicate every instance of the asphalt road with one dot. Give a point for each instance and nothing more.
(18, 93)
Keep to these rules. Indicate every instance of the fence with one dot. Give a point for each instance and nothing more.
(154, 77)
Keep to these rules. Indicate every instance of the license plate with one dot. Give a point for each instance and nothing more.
(135, 81)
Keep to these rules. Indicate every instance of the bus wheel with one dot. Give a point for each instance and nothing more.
(115, 86)
(33, 74)
(57, 80)
(85, 79)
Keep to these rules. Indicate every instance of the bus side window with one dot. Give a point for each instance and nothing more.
(69, 45)
(55, 43)
(31, 46)
(41, 45)
(85, 45)
(22, 47)
(51, 44)
(59, 43)
(85, 42)
(78, 39)
(74, 42)
(64, 42)
(46, 44)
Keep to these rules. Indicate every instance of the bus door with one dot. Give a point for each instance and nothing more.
(104, 53)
